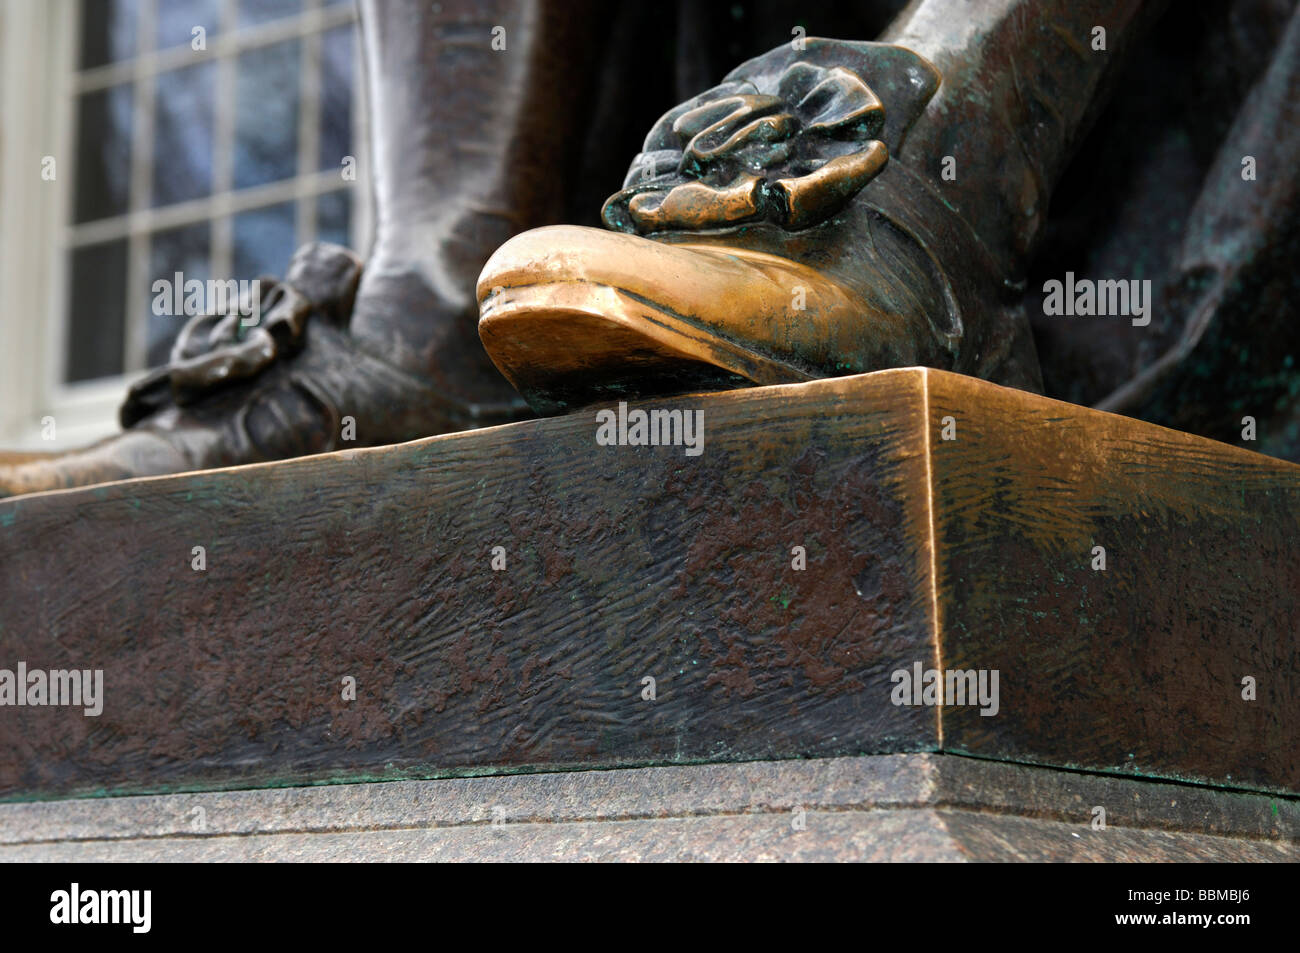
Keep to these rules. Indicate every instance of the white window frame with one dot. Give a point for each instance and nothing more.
(38, 89)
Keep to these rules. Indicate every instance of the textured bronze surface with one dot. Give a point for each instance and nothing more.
(622, 563)
(629, 562)
(1146, 658)
(1140, 667)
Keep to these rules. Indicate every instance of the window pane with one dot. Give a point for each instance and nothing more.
(266, 114)
(187, 251)
(336, 97)
(178, 18)
(334, 218)
(261, 11)
(264, 241)
(108, 31)
(103, 153)
(183, 133)
(97, 307)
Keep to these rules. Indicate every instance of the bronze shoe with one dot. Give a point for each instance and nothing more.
(234, 392)
(764, 235)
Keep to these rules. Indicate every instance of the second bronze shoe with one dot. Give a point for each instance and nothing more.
(294, 382)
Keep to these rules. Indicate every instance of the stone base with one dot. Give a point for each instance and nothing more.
(886, 808)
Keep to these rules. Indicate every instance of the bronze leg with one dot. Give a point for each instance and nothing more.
(474, 106)
(1022, 82)
(470, 145)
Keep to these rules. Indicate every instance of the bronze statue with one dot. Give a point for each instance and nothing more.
(832, 207)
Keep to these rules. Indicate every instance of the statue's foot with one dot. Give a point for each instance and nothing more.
(295, 382)
(574, 315)
(767, 237)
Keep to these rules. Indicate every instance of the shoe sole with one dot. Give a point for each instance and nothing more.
(571, 343)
